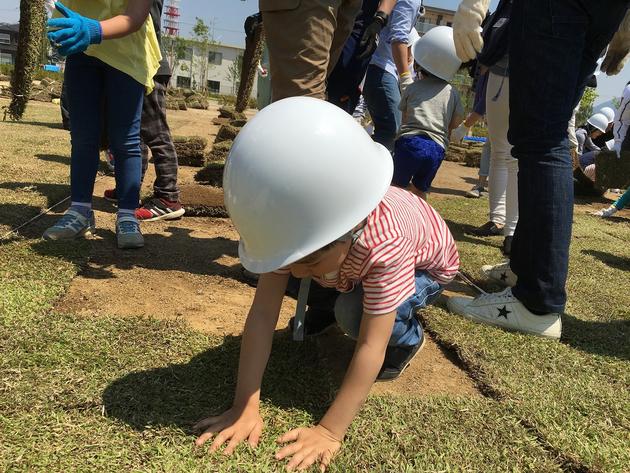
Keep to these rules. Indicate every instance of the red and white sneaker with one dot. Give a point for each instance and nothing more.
(110, 194)
(159, 209)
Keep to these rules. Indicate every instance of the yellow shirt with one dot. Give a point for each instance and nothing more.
(137, 54)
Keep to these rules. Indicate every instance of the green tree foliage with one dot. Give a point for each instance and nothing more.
(586, 106)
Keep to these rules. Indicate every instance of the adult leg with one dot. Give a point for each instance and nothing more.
(382, 96)
(299, 36)
(156, 135)
(554, 46)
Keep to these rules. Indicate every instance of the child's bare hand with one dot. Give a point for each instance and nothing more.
(308, 446)
(233, 426)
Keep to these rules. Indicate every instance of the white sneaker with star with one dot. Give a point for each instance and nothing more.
(504, 310)
(500, 273)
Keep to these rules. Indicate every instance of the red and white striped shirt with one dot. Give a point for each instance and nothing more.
(402, 235)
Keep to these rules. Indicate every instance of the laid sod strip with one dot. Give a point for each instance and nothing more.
(575, 395)
(104, 394)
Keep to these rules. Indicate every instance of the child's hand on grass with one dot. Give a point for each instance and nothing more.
(233, 426)
(308, 445)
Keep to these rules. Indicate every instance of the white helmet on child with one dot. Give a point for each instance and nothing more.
(609, 112)
(435, 53)
(301, 174)
(599, 121)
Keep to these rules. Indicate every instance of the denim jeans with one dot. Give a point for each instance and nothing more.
(407, 331)
(90, 82)
(382, 95)
(554, 46)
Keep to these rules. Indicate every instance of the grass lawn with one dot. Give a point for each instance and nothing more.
(113, 394)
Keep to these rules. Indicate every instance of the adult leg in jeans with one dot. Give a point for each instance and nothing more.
(503, 187)
(382, 96)
(554, 46)
(156, 136)
(124, 97)
(304, 37)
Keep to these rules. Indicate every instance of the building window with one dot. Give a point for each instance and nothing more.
(214, 86)
(439, 20)
(215, 58)
(5, 38)
(449, 23)
(185, 54)
(6, 58)
(183, 82)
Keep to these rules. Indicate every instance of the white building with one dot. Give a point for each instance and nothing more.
(222, 74)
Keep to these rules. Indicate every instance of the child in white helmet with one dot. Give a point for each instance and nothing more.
(431, 108)
(319, 204)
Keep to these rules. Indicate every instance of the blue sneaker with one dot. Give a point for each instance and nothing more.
(128, 233)
(71, 226)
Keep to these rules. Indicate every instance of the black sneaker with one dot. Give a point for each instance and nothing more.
(397, 359)
(488, 229)
(316, 322)
(507, 246)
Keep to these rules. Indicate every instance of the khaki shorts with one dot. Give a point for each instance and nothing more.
(305, 39)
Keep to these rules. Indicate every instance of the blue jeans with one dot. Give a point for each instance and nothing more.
(407, 330)
(90, 84)
(484, 163)
(554, 46)
(417, 159)
(382, 95)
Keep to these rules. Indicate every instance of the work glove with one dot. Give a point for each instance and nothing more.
(459, 133)
(618, 49)
(369, 40)
(73, 33)
(467, 28)
(404, 81)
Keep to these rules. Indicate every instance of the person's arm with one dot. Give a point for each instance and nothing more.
(589, 145)
(129, 22)
(370, 37)
(320, 443)
(402, 20)
(74, 33)
(617, 53)
(243, 420)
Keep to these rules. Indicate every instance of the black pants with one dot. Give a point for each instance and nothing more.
(156, 136)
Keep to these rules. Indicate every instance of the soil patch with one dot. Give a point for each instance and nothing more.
(453, 180)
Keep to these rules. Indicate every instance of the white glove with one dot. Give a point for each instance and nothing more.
(467, 28)
(405, 80)
(618, 49)
(459, 133)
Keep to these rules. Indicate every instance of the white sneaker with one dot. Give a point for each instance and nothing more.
(500, 273)
(506, 311)
(605, 213)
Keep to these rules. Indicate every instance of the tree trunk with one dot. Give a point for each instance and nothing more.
(251, 58)
(32, 23)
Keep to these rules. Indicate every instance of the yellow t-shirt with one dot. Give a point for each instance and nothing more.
(137, 54)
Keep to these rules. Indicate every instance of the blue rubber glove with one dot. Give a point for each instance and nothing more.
(73, 33)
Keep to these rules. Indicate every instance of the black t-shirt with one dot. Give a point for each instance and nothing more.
(156, 16)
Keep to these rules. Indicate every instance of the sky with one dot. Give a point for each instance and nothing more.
(227, 17)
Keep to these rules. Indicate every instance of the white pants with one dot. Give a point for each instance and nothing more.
(503, 179)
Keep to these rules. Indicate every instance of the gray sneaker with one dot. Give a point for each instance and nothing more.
(128, 233)
(72, 225)
(476, 192)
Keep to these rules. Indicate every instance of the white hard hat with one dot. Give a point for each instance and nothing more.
(435, 53)
(609, 112)
(301, 174)
(599, 121)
